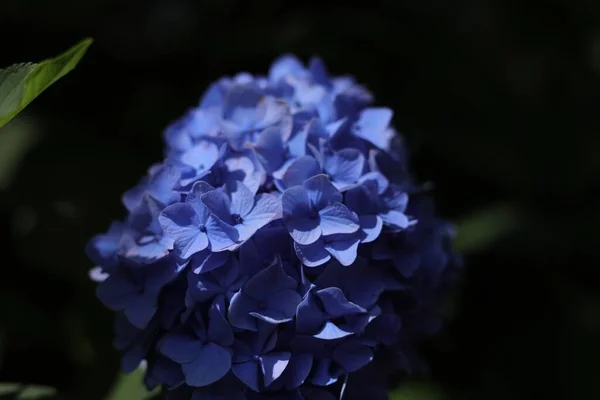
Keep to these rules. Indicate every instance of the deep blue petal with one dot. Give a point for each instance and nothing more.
(352, 355)
(180, 348)
(273, 365)
(248, 373)
(212, 363)
(335, 303)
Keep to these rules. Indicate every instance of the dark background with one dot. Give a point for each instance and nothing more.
(499, 101)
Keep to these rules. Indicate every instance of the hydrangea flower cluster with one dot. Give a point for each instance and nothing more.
(280, 251)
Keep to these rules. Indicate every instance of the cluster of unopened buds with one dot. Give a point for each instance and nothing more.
(280, 251)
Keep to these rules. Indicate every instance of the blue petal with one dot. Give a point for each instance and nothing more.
(161, 184)
(336, 304)
(337, 218)
(273, 365)
(345, 166)
(212, 363)
(239, 311)
(286, 65)
(395, 218)
(269, 281)
(213, 96)
(371, 226)
(321, 192)
(344, 250)
(300, 170)
(117, 291)
(195, 195)
(221, 235)
(297, 370)
(219, 204)
(102, 249)
(280, 308)
(372, 126)
(179, 348)
(181, 223)
(209, 261)
(201, 157)
(270, 148)
(266, 208)
(242, 198)
(359, 200)
(245, 170)
(318, 71)
(141, 311)
(132, 358)
(219, 330)
(352, 355)
(330, 331)
(312, 255)
(295, 202)
(297, 143)
(309, 317)
(247, 373)
(240, 106)
(378, 178)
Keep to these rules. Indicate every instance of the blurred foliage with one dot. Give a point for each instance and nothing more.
(15, 391)
(131, 386)
(498, 101)
(20, 84)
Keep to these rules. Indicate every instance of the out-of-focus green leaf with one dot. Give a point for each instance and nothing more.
(15, 141)
(483, 228)
(22, 83)
(416, 391)
(18, 391)
(131, 387)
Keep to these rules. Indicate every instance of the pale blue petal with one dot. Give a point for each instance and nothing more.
(371, 226)
(372, 126)
(312, 255)
(242, 198)
(330, 331)
(321, 192)
(345, 165)
(337, 218)
(345, 250)
(395, 218)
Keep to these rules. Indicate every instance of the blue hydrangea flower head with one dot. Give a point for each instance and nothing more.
(281, 250)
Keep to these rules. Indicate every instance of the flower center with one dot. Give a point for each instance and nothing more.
(237, 218)
(202, 228)
(314, 214)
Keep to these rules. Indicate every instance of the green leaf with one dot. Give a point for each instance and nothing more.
(131, 387)
(16, 140)
(17, 391)
(21, 83)
(416, 391)
(483, 228)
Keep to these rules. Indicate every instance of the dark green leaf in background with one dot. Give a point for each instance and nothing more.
(17, 391)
